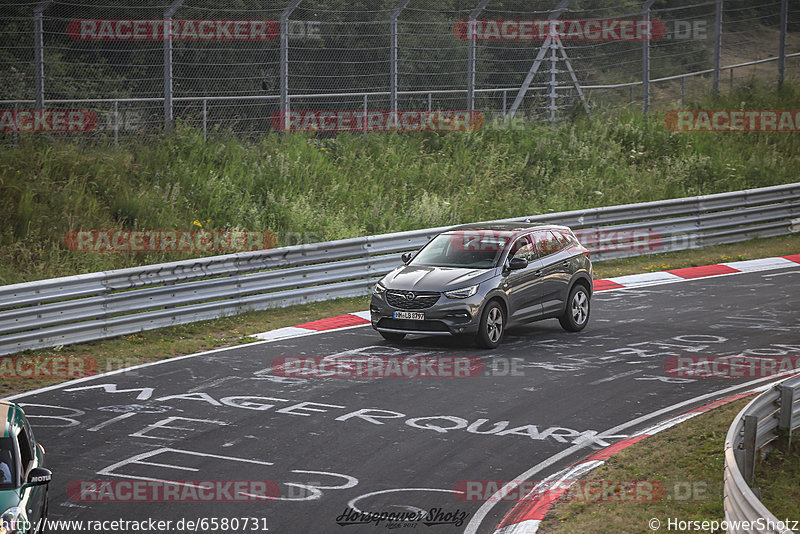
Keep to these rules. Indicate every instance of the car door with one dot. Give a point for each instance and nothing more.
(32, 496)
(522, 285)
(554, 265)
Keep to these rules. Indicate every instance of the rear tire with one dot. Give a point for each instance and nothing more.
(491, 327)
(394, 337)
(576, 314)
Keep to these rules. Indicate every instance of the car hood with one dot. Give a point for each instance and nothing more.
(422, 278)
(9, 498)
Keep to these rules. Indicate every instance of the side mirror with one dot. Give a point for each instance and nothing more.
(516, 264)
(406, 257)
(39, 476)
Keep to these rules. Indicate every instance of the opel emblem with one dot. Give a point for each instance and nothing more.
(410, 296)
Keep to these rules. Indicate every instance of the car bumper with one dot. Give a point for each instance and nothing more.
(446, 317)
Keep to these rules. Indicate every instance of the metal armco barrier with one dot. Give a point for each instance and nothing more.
(86, 307)
(770, 415)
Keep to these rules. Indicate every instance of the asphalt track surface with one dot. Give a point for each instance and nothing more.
(568, 390)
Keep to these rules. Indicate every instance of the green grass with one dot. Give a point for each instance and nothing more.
(776, 477)
(306, 188)
(686, 460)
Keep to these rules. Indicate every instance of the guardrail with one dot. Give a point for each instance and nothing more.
(87, 307)
(770, 417)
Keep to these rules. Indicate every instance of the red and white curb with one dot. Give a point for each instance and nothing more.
(528, 513)
(362, 318)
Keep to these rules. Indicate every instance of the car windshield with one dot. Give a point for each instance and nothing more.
(469, 249)
(7, 464)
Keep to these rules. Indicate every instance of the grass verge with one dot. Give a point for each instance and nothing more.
(687, 461)
(777, 476)
(307, 188)
(154, 345)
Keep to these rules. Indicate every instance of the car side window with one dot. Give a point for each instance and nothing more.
(546, 243)
(523, 248)
(561, 238)
(25, 451)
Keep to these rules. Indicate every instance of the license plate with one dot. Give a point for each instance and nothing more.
(416, 316)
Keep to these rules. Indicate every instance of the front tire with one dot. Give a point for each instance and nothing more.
(491, 327)
(576, 315)
(394, 337)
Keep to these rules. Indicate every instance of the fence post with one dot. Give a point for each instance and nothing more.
(168, 112)
(717, 43)
(205, 119)
(471, 38)
(393, 53)
(364, 119)
(749, 442)
(646, 58)
(683, 91)
(285, 61)
(38, 53)
(116, 124)
(15, 134)
(554, 43)
(785, 413)
(430, 102)
(562, 5)
(782, 42)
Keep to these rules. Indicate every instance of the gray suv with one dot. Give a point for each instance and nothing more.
(478, 279)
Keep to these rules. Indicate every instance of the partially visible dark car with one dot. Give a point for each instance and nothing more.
(478, 279)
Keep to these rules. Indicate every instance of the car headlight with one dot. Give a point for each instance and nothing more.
(379, 290)
(13, 520)
(462, 293)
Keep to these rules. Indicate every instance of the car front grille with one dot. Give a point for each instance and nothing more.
(418, 326)
(420, 300)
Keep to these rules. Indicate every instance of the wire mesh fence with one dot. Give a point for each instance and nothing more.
(246, 65)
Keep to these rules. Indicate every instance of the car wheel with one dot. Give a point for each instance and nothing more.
(576, 316)
(492, 326)
(393, 336)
